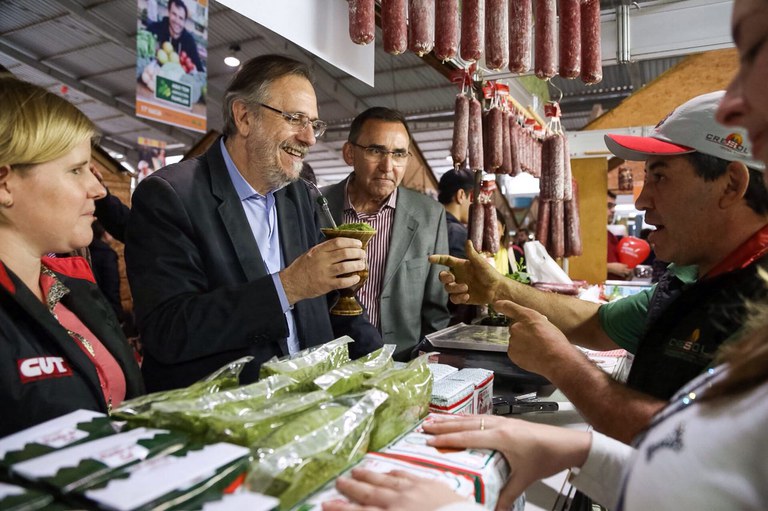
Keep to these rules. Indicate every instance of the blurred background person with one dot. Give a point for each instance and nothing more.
(105, 267)
(455, 194)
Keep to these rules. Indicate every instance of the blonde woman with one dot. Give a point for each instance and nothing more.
(61, 348)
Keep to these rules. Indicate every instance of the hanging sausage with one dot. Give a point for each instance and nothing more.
(475, 134)
(460, 130)
(494, 147)
(570, 38)
(496, 34)
(362, 21)
(394, 26)
(520, 23)
(471, 45)
(591, 57)
(446, 29)
(545, 28)
(421, 26)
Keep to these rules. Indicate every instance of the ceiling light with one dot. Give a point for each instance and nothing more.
(231, 59)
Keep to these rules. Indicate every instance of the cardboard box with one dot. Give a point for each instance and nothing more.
(452, 396)
(482, 380)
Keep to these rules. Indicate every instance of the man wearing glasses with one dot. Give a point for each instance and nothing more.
(403, 294)
(224, 253)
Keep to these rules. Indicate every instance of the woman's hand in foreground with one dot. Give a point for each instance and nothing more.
(534, 451)
(372, 491)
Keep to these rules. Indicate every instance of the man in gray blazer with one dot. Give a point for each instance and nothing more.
(403, 294)
(224, 252)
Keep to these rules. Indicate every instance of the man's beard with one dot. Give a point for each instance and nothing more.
(268, 163)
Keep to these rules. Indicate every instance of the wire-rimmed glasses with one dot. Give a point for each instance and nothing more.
(300, 121)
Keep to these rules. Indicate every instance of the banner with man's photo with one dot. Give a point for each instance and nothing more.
(171, 55)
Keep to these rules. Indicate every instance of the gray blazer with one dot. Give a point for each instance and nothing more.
(413, 301)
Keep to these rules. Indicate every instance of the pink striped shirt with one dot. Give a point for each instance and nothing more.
(378, 248)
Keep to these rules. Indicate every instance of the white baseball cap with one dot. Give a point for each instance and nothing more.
(690, 128)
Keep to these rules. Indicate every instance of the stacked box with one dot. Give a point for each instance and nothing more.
(452, 396)
(440, 371)
(482, 380)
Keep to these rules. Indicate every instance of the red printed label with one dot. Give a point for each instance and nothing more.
(40, 368)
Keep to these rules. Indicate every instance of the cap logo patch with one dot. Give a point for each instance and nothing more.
(733, 142)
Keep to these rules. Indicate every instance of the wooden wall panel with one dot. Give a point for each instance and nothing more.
(590, 174)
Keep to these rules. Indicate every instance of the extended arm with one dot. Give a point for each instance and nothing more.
(609, 406)
(474, 281)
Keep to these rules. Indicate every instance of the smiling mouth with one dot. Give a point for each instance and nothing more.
(296, 153)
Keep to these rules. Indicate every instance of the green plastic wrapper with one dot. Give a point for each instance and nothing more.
(308, 364)
(249, 428)
(409, 390)
(350, 377)
(192, 415)
(317, 449)
(137, 410)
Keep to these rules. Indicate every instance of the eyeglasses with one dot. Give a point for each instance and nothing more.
(300, 121)
(375, 154)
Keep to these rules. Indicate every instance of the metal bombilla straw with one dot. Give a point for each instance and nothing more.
(323, 203)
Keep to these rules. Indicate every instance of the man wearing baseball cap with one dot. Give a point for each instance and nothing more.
(706, 196)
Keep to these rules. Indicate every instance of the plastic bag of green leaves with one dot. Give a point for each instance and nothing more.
(308, 364)
(191, 415)
(249, 428)
(316, 448)
(350, 377)
(137, 410)
(409, 390)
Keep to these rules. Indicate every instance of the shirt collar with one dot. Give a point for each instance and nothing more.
(391, 201)
(243, 189)
(686, 274)
(754, 248)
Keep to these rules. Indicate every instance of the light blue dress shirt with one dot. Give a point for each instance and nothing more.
(261, 213)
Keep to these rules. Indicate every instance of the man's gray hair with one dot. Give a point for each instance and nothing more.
(251, 82)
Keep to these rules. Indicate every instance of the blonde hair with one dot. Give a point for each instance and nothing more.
(37, 126)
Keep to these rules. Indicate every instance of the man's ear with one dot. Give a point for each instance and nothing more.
(737, 181)
(243, 122)
(460, 196)
(348, 151)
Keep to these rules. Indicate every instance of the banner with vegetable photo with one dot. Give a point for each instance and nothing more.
(171, 55)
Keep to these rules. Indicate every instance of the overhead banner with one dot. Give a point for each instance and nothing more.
(171, 58)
